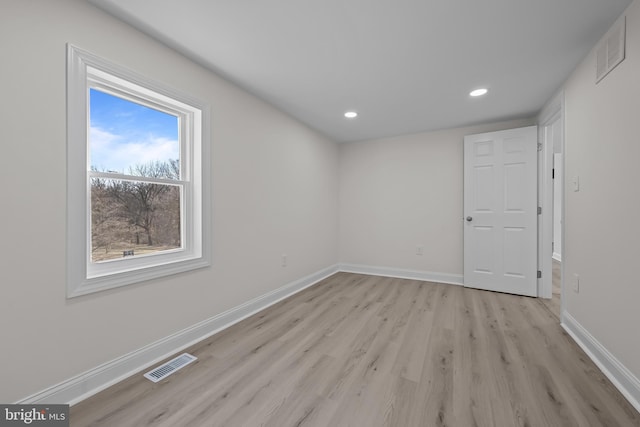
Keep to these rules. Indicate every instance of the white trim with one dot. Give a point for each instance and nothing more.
(84, 277)
(553, 111)
(448, 278)
(99, 378)
(621, 377)
(554, 107)
(557, 257)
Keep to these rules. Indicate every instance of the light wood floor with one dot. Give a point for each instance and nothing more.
(365, 351)
(553, 304)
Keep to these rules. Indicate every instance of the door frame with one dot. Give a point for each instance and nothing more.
(554, 110)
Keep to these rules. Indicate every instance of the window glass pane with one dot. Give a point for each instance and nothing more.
(132, 218)
(130, 138)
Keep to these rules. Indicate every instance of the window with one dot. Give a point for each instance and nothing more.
(137, 162)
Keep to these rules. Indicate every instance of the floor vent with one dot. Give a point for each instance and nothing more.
(163, 371)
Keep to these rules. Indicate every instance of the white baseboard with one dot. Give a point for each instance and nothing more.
(451, 279)
(97, 379)
(627, 383)
(557, 257)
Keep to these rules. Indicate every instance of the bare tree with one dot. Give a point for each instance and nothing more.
(122, 210)
(141, 199)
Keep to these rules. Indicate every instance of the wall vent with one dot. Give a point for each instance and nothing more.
(166, 369)
(611, 50)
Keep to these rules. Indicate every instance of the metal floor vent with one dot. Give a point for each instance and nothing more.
(163, 371)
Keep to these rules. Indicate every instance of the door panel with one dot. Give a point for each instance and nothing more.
(500, 210)
(482, 183)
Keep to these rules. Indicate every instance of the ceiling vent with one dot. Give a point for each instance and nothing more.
(611, 50)
(164, 370)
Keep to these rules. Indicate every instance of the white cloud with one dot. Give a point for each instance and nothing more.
(110, 152)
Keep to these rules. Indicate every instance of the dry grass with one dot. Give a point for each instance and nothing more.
(116, 251)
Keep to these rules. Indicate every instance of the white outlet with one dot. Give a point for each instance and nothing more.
(576, 283)
(284, 260)
(575, 181)
(419, 250)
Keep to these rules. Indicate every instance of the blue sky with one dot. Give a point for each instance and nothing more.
(123, 133)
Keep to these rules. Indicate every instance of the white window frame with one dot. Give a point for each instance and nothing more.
(84, 71)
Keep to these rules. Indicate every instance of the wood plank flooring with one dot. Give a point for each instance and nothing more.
(553, 304)
(358, 350)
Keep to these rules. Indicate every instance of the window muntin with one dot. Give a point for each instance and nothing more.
(103, 178)
(131, 217)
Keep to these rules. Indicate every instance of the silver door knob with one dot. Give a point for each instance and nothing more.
(469, 218)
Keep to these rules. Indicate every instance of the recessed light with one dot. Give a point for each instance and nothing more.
(351, 114)
(478, 92)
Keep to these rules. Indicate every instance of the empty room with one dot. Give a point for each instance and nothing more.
(320, 213)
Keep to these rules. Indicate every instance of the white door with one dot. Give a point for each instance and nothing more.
(500, 211)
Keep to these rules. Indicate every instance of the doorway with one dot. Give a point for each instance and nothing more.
(551, 185)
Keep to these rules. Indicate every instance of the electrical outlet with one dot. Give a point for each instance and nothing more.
(419, 249)
(284, 260)
(576, 283)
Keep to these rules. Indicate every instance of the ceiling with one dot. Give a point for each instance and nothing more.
(405, 66)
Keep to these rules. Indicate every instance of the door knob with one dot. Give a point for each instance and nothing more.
(469, 218)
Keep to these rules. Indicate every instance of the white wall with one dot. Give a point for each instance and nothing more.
(274, 191)
(602, 230)
(398, 193)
